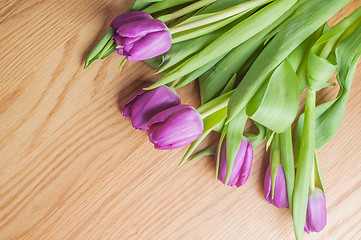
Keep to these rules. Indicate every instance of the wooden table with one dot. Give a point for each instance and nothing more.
(72, 167)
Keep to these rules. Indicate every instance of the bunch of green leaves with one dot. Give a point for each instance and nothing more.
(229, 40)
(339, 47)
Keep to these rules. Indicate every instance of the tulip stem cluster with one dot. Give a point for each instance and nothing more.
(215, 17)
(253, 60)
(190, 8)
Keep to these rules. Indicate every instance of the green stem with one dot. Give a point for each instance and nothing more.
(327, 49)
(304, 169)
(174, 83)
(193, 7)
(312, 180)
(243, 7)
(193, 33)
(122, 64)
(214, 105)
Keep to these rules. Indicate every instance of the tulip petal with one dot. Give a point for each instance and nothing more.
(129, 17)
(242, 164)
(164, 115)
(141, 28)
(246, 166)
(180, 129)
(118, 39)
(316, 211)
(152, 131)
(129, 41)
(152, 45)
(268, 186)
(151, 103)
(175, 127)
(280, 199)
(238, 162)
(126, 111)
(146, 104)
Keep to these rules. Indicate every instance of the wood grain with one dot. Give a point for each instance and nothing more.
(71, 167)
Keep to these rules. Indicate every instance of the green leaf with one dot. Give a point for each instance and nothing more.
(302, 68)
(139, 5)
(196, 73)
(230, 84)
(215, 105)
(231, 39)
(234, 139)
(215, 18)
(155, 62)
(307, 18)
(214, 80)
(108, 49)
(275, 105)
(319, 71)
(228, 88)
(329, 115)
(183, 50)
(269, 138)
(104, 42)
(256, 139)
(202, 30)
(209, 151)
(318, 174)
(185, 10)
(162, 5)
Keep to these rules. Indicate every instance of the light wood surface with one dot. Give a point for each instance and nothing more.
(71, 167)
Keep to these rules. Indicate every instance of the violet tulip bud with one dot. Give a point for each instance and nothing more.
(175, 127)
(145, 104)
(139, 36)
(241, 166)
(280, 198)
(316, 211)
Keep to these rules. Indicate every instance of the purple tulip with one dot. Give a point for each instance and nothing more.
(241, 166)
(175, 127)
(145, 104)
(139, 36)
(316, 211)
(280, 199)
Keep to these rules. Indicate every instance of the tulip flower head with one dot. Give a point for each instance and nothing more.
(279, 199)
(175, 127)
(316, 217)
(139, 37)
(242, 164)
(145, 104)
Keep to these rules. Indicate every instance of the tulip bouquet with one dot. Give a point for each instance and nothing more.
(253, 59)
